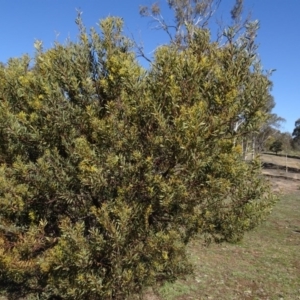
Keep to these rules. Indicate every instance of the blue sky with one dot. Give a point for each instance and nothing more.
(24, 21)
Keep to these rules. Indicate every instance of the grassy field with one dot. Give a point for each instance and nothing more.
(265, 265)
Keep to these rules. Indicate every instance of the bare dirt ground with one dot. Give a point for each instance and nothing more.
(283, 173)
(285, 183)
(281, 161)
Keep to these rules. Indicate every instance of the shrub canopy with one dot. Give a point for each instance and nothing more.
(108, 170)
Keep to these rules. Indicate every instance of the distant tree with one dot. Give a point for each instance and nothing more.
(276, 146)
(188, 15)
(269, 130)
(265, 137)
(287, 140)
(296, 133)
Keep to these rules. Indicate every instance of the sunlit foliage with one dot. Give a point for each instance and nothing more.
(108, 170)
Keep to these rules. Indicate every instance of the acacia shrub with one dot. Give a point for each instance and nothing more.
(108, 170)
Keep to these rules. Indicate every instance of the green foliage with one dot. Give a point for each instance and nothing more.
(108, 171)
(296, 133)
(276, 146)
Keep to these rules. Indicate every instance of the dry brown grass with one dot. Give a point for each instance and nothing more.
(281, 161)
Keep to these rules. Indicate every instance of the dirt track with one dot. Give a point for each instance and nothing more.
(283, 183)
(283, 173)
